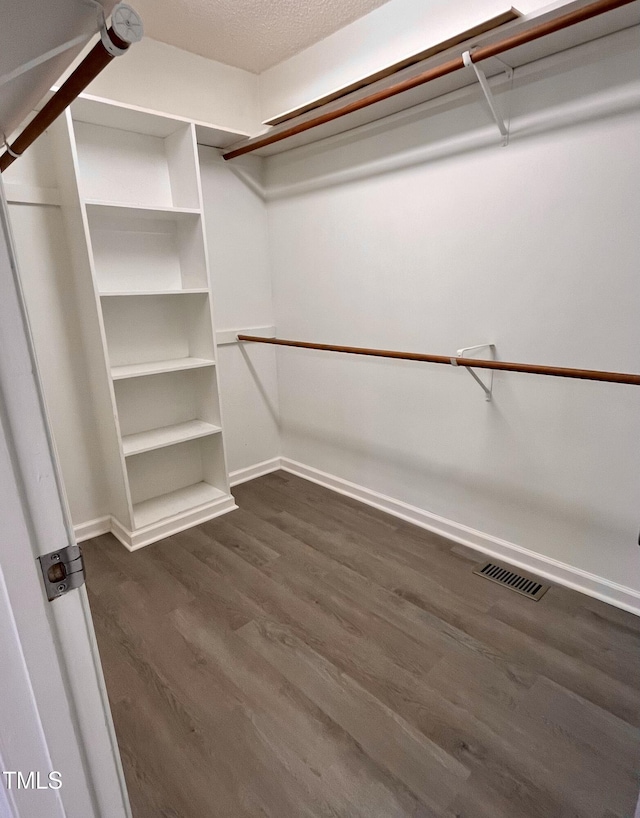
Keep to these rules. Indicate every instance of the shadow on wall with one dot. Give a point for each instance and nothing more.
(565, 91)
(544, 516)
(271, 409)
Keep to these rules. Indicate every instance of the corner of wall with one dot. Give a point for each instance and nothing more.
(168, 79)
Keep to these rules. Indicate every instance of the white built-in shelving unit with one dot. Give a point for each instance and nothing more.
(133, 206)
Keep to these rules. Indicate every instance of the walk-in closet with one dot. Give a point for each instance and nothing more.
(319, 409)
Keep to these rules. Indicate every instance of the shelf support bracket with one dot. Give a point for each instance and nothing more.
(462, 353)
(486, 88)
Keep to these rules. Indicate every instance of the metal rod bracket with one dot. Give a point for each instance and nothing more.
(9, 149)
(508, 70)
(486, 89)
(462, 353)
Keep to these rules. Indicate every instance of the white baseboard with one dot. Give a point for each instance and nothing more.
(141, 537)
(251, 472)
(133, 540)
(559, 572)
(92, 528)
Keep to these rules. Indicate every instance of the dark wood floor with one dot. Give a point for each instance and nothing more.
(310, 656)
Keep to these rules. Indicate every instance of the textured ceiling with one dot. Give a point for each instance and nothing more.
(250, 34)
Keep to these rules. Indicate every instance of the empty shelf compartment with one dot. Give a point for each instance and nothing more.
(167, 436)
(175, 503)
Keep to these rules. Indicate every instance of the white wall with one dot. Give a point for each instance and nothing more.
(427, 236)
(237, 239)
(396, 30)
(417, 233)
(164, 78)
(47, 278)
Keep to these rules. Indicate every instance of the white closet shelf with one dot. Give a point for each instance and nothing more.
(175, 503)
(111, 114)
(124, 210)
(125, 293)
(158, 367)
(167, 436)
(355, 114)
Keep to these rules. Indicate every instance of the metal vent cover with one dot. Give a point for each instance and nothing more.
(522, 584)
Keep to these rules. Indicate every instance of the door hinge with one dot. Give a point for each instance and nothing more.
(63, 570)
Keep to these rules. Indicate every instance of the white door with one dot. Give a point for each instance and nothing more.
(58, 755)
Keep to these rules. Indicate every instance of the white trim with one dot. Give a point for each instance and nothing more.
(229, 336)
(92, 528)
(91, 108)
(31, 194)
(257, 470)
(559, 572)
(57, 639)
(133, 540)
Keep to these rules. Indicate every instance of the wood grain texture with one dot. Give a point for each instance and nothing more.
(483, 53)
(475, 363)
(445, 45)
(310, 656)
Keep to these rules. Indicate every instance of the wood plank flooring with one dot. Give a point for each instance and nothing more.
(307, 655)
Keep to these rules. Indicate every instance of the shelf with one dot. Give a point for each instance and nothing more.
(473, 32)
(167, 436)
(167, 400)
(125, 293)
(121, 209)
(147, 249)
(175, 503)
(135, 177)
(158, 367)
(141, 329)
(213, 136)
(106, 112)
(350, 109)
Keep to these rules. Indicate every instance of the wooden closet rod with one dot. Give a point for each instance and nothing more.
(476, 363)
(95, 61)
(484, 53)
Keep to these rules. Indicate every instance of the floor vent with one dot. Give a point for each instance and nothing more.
(527, 586)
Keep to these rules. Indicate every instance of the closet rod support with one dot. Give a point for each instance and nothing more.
(462, 353)
(486, 89)
(508, 70)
